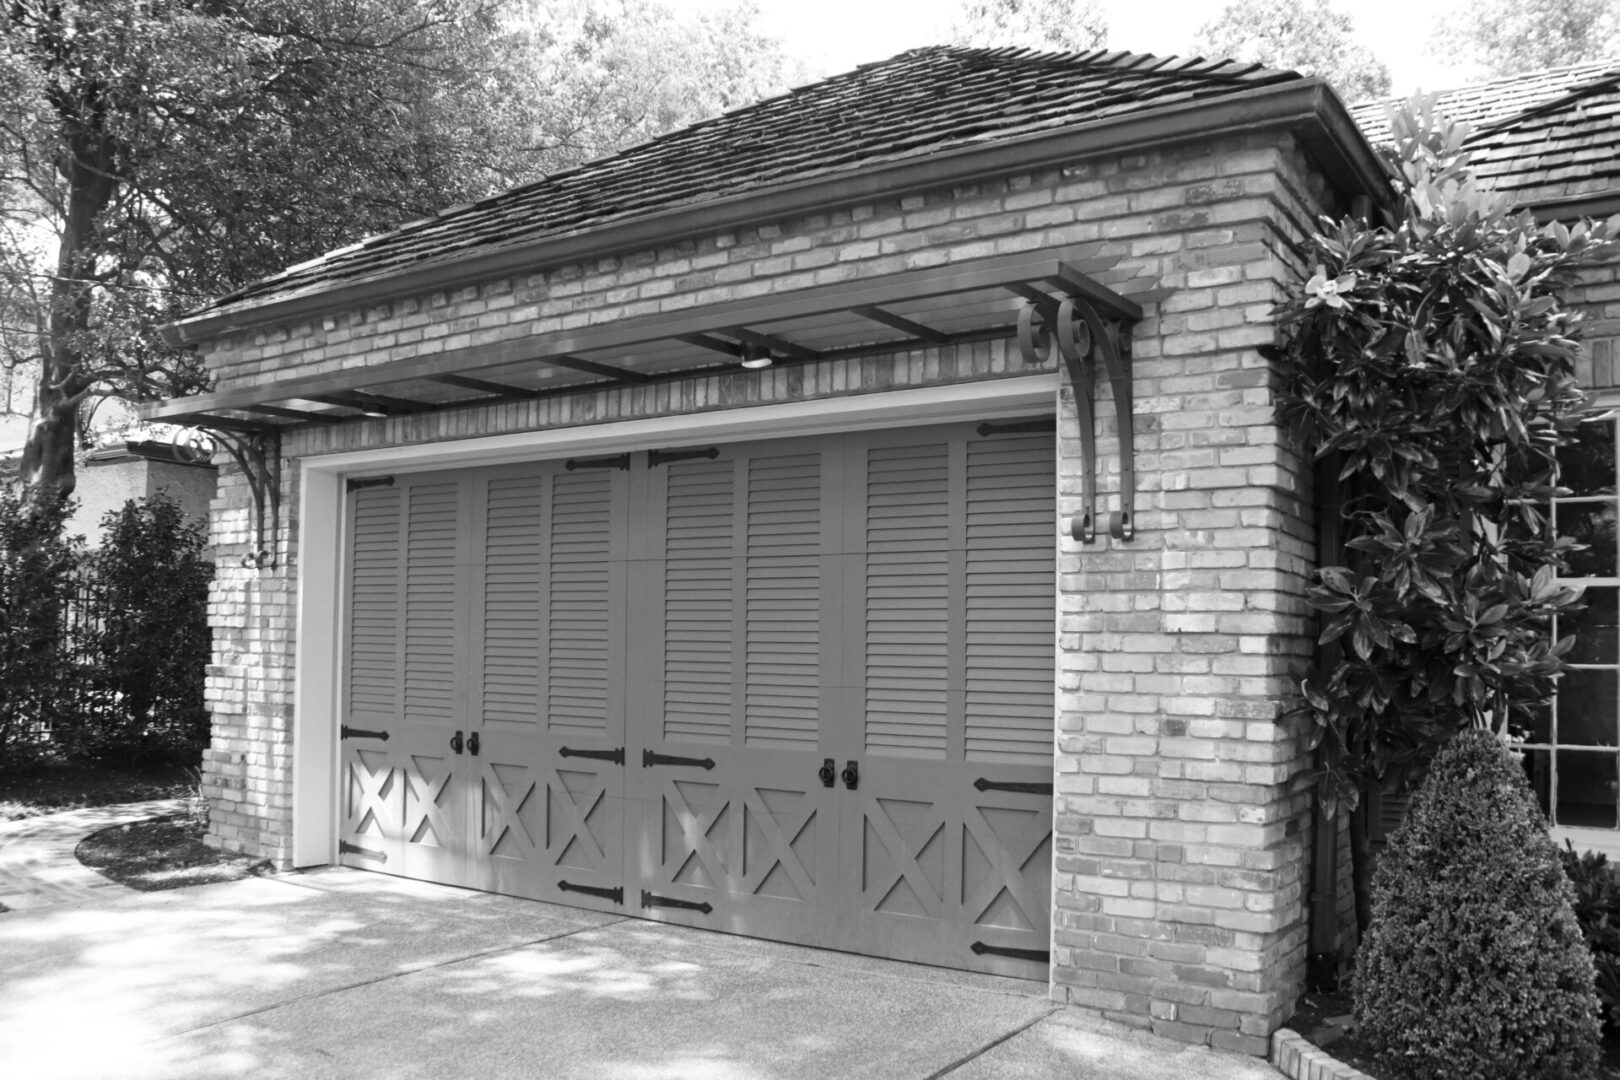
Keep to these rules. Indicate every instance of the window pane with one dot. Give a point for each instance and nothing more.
(1533, 724)
(1586, 708)
(1596, 630)
(1538, 767)
(1590, 524)
(1587, 784)
(1587, 467)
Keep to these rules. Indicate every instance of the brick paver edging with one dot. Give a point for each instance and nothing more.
(38, 867)
(1295, 1056)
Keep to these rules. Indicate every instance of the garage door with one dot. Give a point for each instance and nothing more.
(798, 689)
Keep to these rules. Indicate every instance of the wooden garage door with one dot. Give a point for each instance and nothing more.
(797, 689)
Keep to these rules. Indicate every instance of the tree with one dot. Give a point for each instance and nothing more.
(1510, 37)
(1429, 362)
(1307, 36)
(1054, 25)
(172, 150)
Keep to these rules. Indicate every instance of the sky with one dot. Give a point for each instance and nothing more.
(835, 35)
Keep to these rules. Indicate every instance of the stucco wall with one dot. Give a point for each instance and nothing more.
(1181, 808)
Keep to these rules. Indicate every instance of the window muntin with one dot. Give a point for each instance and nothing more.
(1572, 750)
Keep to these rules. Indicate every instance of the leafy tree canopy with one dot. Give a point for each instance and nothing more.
(1510, 37)
(1053, 25)
(155, 153)
(1307, 36)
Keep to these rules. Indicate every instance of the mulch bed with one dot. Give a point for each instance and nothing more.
(165, 853)
(1315, 1017)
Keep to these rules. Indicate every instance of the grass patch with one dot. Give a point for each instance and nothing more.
(52, 786)
(166, 853)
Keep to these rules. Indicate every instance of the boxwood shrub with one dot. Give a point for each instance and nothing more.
(1597, 910)
(1473, 965)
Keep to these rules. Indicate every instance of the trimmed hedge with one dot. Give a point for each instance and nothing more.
(1474, 966)
(1597, 910)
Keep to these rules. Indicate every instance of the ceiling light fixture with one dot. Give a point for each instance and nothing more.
(755, 358)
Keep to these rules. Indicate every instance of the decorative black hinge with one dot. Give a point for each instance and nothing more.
(368, 482)
(982, 784)
(1016, 427)
(651, 900)
(649, 759)
(1039, 956)
(615, 894)
(615, 756)
(346, 848)
(656, 458)
(347, 732)
(608, 461)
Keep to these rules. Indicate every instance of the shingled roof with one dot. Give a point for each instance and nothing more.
(1486, 103)
(921, 103)
(1563, 151)
(1549, 140)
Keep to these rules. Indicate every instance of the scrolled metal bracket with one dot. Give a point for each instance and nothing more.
(258, 455)
(1081, 335)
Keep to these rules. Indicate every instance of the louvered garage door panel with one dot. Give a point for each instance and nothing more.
(907, 600)
(405, 795)
(947, 842)
(783, 580)
(1010, 600)
(699, 600)
(736, 829)
(548, 815)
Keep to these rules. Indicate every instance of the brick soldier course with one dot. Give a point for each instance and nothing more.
(1181, 812)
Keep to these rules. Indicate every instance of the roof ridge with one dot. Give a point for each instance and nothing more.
(1126, 62)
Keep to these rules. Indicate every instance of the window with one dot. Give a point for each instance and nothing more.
(1572, 751)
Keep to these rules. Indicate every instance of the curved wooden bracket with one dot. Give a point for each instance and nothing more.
(1080, 335)
(258, 454)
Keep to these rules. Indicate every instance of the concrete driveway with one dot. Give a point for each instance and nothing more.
(340, 973)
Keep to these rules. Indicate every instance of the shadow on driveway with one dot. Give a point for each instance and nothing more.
(348, 974)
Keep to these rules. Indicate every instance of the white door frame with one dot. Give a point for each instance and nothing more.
(319, 655)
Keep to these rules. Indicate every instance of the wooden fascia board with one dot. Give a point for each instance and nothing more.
(1302, 104)
(1063, 270)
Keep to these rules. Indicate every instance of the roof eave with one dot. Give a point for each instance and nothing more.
(1306, 106)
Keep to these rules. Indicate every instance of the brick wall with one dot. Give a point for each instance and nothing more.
(1181, 819)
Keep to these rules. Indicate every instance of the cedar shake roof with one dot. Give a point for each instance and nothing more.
(1547, 140)
(1562, 151)
(1486, 103)
(917, 104)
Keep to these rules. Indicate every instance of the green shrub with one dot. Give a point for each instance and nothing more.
(1597, 910)
(1473, 966)
(37, 564)
(149, 643)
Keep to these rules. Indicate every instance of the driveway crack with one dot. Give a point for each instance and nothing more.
(989, 1046)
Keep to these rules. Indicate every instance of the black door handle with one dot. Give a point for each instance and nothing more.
(852, 775)
(828, 773)
(472, 744)
(455, 742)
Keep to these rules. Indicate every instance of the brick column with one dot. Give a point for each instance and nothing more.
(1181, 816)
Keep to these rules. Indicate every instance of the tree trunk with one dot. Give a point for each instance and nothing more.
(65, 378)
